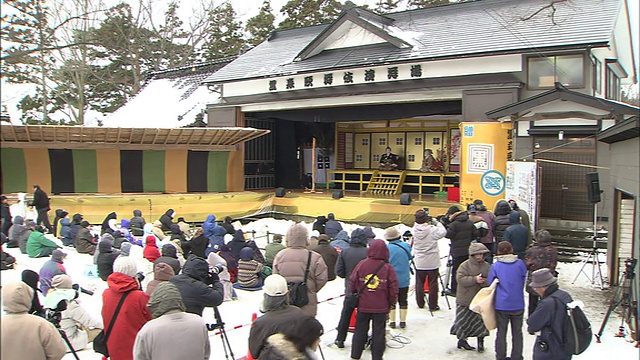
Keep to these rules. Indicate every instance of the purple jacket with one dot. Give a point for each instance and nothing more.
(382, 291)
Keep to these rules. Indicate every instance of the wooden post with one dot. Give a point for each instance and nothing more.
(313, 165)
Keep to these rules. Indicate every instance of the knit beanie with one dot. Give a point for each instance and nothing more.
(62, 281)
(165, 297)
(421, 217)
(125, 265)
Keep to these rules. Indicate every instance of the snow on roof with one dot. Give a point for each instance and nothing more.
(163, 103)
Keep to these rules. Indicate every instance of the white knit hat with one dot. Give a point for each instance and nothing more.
(275, 285)
(125, 265)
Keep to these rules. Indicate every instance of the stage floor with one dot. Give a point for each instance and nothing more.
(354, 207)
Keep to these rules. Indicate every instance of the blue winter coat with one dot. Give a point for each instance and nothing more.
(341, 241)
(216, 239)
(549, 318)
(399, 257)
(208, 225)
(65, 232)
(517, 234)
(512, 274)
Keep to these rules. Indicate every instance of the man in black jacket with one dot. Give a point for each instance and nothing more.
(6, 215)
(460, 231)
(41, 203)
(193, 285)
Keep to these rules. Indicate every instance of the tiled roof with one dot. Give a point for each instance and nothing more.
(456, 30)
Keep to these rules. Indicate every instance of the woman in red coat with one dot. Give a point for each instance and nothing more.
(151, 251)
(133, 313)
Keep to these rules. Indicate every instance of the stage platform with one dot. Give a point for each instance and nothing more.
(354, 207)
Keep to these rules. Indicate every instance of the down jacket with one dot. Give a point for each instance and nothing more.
(137, 223)
(192, 284)
(106, 258)
(161, 272)
(382, 291)
(425, 245)
(351, 256)
(36, 242)
(461, 231)
(84, 242)
(292, 262)
(17, 231)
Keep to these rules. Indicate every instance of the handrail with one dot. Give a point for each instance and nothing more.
(441, 185)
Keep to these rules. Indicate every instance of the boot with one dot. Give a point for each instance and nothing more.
(463, 344)
(392, 318)
(481, 344)
(403, 318)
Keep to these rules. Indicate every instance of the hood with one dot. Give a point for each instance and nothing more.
(65, 222)
(77, 218)
(285, 349)
(61, 213)
(163, 271)
(219, 231)
(137, 213)
(125, 223)
(165, 298)
(477, 248)
(18, 220)
(16, 297)
(169, 250)
(321, 219)
(125, 248)
(105, 245)
(150, 241)
(112, 215)
(459, 216)
(502, 208)
(378, 250)
(342, 235)
(330, 216)
(147, 228)
(31, 278)
(120, 282)
(297, 236)
(507, 258)
(210, 218)
(246, 254)
(157, 223)
(170, 213)
(358, 237)
(238, 236)
(175, 229)
(514, 217)
(196, 268)
(228, 219)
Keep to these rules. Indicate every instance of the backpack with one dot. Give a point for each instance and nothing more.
(577, 333)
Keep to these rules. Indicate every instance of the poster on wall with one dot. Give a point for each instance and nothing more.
(480, 158)
(454, 162)
(522, 186)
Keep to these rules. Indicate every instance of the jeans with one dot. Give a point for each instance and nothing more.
(433, 276)
(378, 342)
(515, 319)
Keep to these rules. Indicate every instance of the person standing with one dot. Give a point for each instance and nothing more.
(541, 255)
(292, 262)
(427, 257)
(524, 216)
(472, 276)
(490, 220)
(517, 234)
(377, 297)
(41, 203)
(5, 216)
(26, 336)
(549, 317)
(347, 261)
(277, 314)
(329, 255)
(502, 222)
(133, 314)
(400, 258)
(509, 299)
(460, 231)
(171, 329)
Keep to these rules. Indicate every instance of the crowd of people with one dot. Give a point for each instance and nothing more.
(198, 268)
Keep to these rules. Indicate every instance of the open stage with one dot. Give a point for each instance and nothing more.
(354, 207)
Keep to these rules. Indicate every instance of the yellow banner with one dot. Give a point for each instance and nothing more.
(485, 149)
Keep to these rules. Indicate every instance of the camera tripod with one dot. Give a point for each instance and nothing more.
(54, 317)
(228, 352)
(593, 255)
(626, 295)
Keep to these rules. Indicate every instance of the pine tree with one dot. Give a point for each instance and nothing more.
(260, 26)
(225, 36)
(300, 13)
(386, 6)
(171, 48)
(421, 4)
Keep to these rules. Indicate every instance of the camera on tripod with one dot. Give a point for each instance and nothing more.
(630, 265)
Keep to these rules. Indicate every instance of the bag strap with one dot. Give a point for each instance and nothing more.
(555, 311)
(115, 315)
(370, 278)
(306, 272)
(405, 250)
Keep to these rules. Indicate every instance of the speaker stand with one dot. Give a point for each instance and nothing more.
(596, 270)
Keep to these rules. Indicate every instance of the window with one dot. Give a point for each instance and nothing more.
(365, 142)
(411, 158)
(418, 141)
(359, 158)
(597, 76)
(613, 85)
(382, 141)
(399, 141)
(568, 70)
(376, 157)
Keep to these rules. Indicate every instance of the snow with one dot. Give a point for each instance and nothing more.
(425, 333)
(162, 104)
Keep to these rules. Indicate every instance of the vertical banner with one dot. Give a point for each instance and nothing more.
(522, 186)
(484, 151)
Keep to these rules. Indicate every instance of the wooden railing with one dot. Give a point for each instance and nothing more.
(364, 177)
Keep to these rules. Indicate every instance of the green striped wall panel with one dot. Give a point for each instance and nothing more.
(14, 171)
(85, 170)
(217, 171)
(153, 171)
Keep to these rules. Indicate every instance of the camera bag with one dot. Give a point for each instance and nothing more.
(298, 295)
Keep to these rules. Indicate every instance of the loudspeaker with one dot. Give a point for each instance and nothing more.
(337, 194)
(593, 187)
(405, 199)
(280, 192)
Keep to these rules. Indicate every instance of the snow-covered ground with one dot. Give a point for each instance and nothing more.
(426, 336)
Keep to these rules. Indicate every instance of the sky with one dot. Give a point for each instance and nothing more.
(245, 9)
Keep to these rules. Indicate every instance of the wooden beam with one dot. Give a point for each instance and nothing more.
(113, 146)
